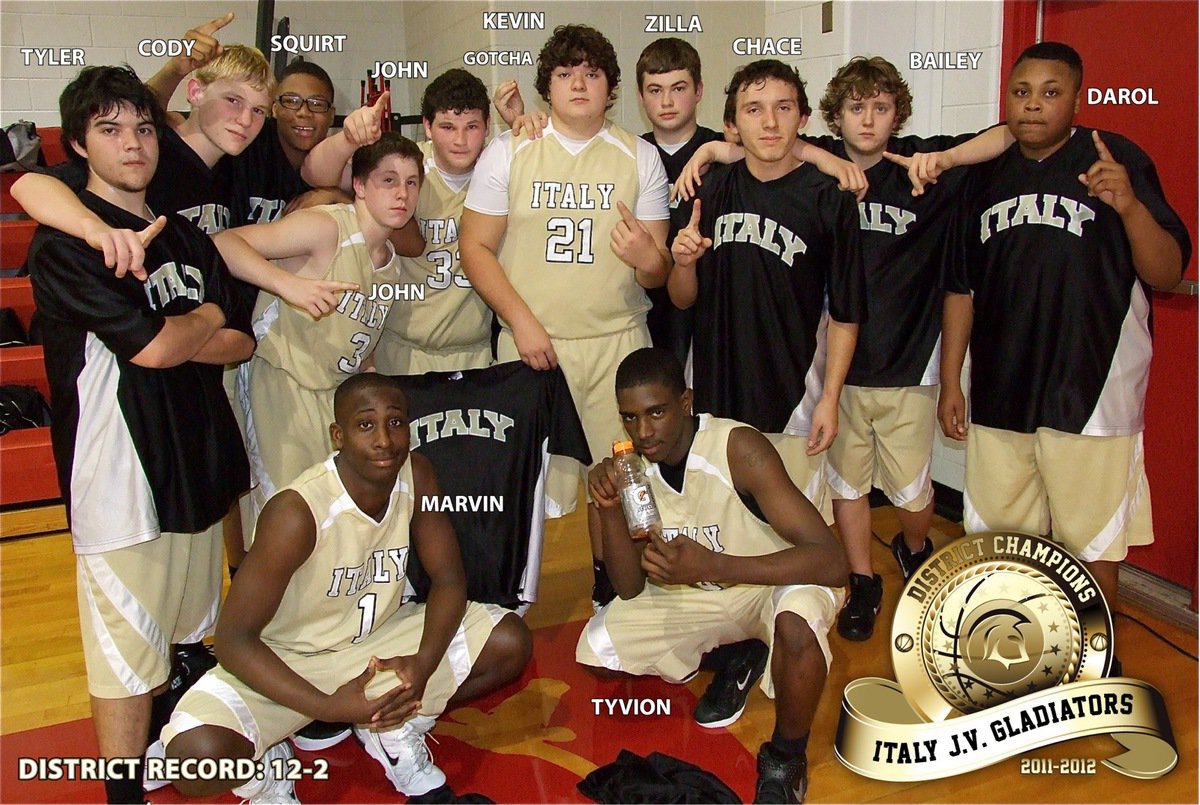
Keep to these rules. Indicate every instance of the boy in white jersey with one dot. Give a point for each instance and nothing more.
(742, 554)
(315, 614)
(533, 241)
(451, 327)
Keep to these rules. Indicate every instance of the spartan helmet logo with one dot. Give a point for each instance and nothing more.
(997, 637)
(999, 642)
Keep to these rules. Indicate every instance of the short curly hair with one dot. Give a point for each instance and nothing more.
(571, 45)
(455, 90)
(863, 78)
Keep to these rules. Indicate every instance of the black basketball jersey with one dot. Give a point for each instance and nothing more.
(1061, 335)
(782, 251)
(903, 238)
(261, 180)
(669, 326)
(139, 450)
(182, 184)
(489, 434)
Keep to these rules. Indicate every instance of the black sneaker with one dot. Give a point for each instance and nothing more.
(909, 561)
(780, 779)
(189, 662)
(723, 702)
(856, 621)
(603, 591)
(320, 735)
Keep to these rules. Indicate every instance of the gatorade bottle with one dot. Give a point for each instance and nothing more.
(637, 501)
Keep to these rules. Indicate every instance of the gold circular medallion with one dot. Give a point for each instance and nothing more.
(992, 617)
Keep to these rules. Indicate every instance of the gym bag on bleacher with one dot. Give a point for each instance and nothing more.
(20, 147)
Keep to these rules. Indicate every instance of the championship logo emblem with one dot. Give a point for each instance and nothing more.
(1000, 644)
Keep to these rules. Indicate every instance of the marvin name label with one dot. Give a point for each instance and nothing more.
(462, 503)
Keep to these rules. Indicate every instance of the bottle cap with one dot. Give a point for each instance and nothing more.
(622, 446)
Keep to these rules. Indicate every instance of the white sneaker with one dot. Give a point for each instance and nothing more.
(405, 758)
(270, 790)
(155, 751)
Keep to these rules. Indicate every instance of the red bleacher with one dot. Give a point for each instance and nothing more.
(27, 472)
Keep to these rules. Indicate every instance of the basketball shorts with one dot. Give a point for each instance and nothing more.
(134, 602)
(590, 366)
(221, 699)
(1090, 491)
(885, 439)
(395, 356)
(666, 629)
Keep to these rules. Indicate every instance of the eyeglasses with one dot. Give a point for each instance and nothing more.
(317, 105)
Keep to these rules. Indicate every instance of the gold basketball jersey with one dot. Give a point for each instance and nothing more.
(451, 315)
(320, 354)
(354, 578)
(556, 253)
(708, 510)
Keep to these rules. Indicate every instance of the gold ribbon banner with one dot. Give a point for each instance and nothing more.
(882, 737)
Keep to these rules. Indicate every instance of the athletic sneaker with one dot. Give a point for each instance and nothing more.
(723, 702)
(780, 779)
(320, 735)
(405, 758)
(156, 751)
(271, 790)
(856, 621)
(909, 561)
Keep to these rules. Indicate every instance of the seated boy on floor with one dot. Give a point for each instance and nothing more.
(313, 627)
(743, 554)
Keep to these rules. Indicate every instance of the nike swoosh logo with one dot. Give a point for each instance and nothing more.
(386, 754)
(746, 680)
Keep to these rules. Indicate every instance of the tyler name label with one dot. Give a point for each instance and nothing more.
(52, 57)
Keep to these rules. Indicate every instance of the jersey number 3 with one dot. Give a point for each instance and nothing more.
(560, 246)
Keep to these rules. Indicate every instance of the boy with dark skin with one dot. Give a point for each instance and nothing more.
(1059, 372)
(768, 553)
(285, 685)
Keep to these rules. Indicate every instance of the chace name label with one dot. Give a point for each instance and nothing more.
(762, 46)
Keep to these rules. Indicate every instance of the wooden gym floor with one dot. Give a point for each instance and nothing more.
(498, 748)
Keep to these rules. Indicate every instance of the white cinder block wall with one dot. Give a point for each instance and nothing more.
(439, 33)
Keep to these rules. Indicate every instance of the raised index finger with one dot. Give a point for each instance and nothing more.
(381, 102)
(695, 222)
(626, 215)
(1101, 148)
(215, 25)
